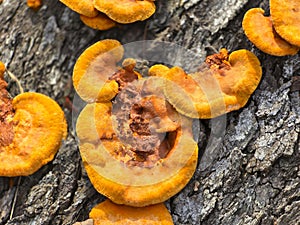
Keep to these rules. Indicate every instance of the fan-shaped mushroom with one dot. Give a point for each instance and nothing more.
(224, 84)
(260, 31)
(99, 22)
(83, 7)
(108, 213)
(285, 16)
(137, 151)
(34, 4)
(126, 11)
(93, 69)
(37, 127)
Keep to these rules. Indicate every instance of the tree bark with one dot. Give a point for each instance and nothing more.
(248, 175)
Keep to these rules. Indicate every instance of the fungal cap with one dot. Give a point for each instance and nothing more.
(94, 67)
(99, 22)
(137, 196)
(34, 4)
(243, 76)
(285, 17)
(158, 70)
(2, 69)
(260, 31)
(108, 213)
(126, 11)
(83, 7)
(185, 94)
(225, 85)
(39, 127)
(132, 185)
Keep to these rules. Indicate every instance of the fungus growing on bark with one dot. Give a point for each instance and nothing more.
(158, 70)
(137, 151)
(99, 22)
(2, 69)
(126, 11)
(32, 127)
(83, 7)
(110, 12)
(93, 69)
(260, 31)
(108, 213)
(34, 4)
(36, 129)
(285, 17)
(224, 84)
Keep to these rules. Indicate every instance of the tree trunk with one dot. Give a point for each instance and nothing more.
(248, 175)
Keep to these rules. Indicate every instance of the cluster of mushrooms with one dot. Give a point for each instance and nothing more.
(105, 14)
(135, 132)
(277, 34)
(32, 128)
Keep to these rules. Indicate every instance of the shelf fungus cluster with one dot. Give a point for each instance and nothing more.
(223, 83)
(136, 148)
(135, 132)
(32, 127)
(105, 14)
(276, 34)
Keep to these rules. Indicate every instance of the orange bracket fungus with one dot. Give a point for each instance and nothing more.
(260, 31)
(89, 15)
(137, 150)
(126, 11)
(2, 69)
(93, 69)
(195, 95)
(83, 7)
(32, 127)
(34, 4)
(110, 12)
(285, 17)
(108, 213)
(99, 22)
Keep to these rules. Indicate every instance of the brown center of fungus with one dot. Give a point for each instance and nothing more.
(124, 76)
(146, 125)
(6, 116)
(218, 61)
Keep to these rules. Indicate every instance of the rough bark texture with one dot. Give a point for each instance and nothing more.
(250, 175)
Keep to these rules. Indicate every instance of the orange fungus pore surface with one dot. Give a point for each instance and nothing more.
(126, 11)
(223, 84)
(108, 213)
(83, 7)
(99, 22)
(260, 31)
(34, 126)
(34, 4)
(137, 149)
(2, 70)
(93, 69)
(285, 16)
